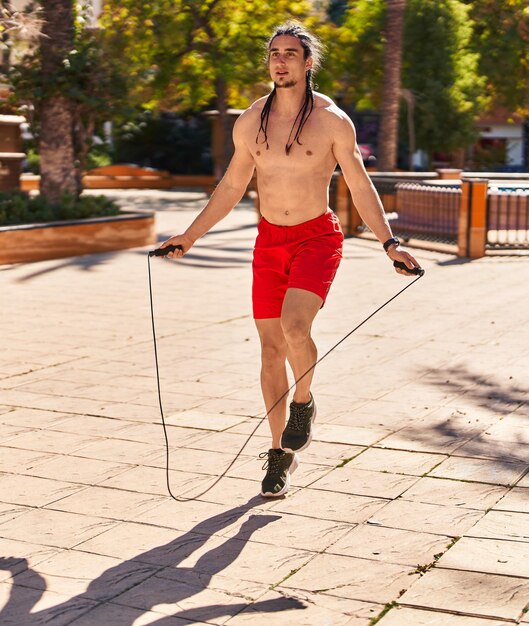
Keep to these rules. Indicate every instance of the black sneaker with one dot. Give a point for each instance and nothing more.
(279, 465)
(298, 432)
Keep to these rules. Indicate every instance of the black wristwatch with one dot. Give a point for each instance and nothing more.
(390, 242)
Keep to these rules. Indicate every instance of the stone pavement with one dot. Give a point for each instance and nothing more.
(411, 507)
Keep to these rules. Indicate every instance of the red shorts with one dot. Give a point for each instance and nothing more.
(304, 256)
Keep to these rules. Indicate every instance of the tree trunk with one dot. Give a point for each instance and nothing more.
(389, 119)
(224, 127)
(56, 148)
(525, 143)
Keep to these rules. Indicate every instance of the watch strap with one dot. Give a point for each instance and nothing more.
(392, 241)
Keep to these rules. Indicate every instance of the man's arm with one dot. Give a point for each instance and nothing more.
(362, 190)
(228, 193)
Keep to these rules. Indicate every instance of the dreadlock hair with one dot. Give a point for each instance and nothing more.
(312, 47)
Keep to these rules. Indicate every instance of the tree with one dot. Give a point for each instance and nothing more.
(190, 55)
(389, 112)
(501, 39)
(56, 147)
(439, 67)
(68, 84)
(441, 70)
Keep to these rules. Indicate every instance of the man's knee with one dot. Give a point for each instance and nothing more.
(296, 330)
(273, 351)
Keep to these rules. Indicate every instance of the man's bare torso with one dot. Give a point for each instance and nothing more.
(293, 188)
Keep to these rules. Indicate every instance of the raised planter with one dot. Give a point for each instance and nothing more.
(54, 240)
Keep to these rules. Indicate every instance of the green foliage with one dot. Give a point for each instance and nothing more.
(88, 79)
(184, 55)
(32, 164)
(180, 145)
(356, 52)
(19, 208)
(501, 39)
(441, 71)
(439, 67)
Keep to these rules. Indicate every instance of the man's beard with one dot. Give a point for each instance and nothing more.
(286, 84)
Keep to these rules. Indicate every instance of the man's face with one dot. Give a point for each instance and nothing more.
(286, 61)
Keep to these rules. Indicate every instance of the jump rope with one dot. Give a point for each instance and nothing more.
(161, 252)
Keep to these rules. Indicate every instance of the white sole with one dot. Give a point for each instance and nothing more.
(307, 444)
(293, 467)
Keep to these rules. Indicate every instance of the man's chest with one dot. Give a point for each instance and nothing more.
(311, 150)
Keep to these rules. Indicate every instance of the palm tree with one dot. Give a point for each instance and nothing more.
(56, 148)
(388, 132)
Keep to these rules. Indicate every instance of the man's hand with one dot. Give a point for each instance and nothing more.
(396, 253)
(178, 240)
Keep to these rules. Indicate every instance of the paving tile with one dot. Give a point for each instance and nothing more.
(390, 545)
(200, 461)
(108, 503)
(485, 471)
(182, 600)
(284, 530)
(153, 480)
(11, 431)
(90, 425)
(52, 528)
(348, 479)
(328, 505)
(524, 482)
(306, 609)
(353, 435)
(76, 469)
(455, 493)
(430, 518)
(502, 525)
(330, 454)
(236, 558)
(143, 543)
(9, 512)
(200, 517)
(33, 491)
(487, 447)
(403, 615)
(94, 576)
(121, 451)
(510, 428)
(509, 558)
(22, 605)
(422, 438)
(517, 499)
(396, 461)
(231, 491)
(349, 577)
(204, 420)
(21, 461)
(153, 434)
(50, 441)
(110, 614)
(486, 595)
(19, 555)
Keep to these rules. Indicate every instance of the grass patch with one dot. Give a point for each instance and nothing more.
(386, 609)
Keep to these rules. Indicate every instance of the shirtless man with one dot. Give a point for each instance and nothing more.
(294, 137)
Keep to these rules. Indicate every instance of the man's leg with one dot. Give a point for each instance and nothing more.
(274, 382)
(299, 310)
(279, 465)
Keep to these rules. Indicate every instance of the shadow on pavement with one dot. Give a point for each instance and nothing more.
(147, 580)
